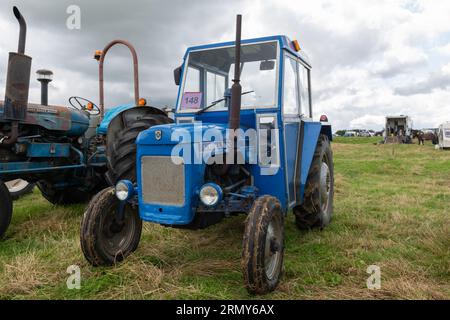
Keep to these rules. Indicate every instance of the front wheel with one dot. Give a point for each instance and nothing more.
(263, 246)
(106, 239)
(6, 208)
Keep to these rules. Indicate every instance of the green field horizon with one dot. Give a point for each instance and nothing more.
(391, 210)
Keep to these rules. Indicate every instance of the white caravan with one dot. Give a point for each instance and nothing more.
(444, 135)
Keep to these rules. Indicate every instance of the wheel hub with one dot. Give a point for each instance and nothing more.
(116, 226)
(117, 234)
(274, 246)
(272, 255)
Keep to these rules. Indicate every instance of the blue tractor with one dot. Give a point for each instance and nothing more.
(251, 150)
(70, 152)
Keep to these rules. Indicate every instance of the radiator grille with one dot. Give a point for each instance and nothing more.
(162, 180)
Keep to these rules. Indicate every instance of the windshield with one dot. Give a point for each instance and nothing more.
(210, 73)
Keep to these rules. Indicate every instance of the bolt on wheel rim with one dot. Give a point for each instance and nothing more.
(325, 185)
(272, 255)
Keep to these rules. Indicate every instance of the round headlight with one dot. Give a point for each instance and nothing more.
(124, 190)
(210, 194)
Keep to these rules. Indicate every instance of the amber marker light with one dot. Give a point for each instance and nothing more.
(296, 45)
(142, 102)
(98, 54)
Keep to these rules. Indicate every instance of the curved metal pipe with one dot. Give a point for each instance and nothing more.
(135, 72)
(23, 30)
(12, 138)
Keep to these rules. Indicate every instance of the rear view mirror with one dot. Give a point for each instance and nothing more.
(267, 65)
(177, 75)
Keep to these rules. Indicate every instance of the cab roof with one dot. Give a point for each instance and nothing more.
(397, 117)
(284, 42)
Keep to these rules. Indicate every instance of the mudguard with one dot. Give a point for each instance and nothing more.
(311, 132)
(110, 118)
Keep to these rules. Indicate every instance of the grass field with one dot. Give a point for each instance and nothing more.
(391, 210)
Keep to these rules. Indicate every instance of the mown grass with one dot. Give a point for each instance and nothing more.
(357, 140)
(391, 210)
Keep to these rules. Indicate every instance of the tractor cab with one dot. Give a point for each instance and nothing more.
(275, 118)
(268, 66)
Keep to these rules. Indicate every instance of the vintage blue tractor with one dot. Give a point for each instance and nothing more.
(253, 150)
(70, 152)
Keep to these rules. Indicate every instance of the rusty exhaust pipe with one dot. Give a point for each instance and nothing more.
(17, 83)
(236, 89)
(23, 30)
(234, 119)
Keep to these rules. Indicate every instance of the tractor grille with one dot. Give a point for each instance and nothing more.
(162, 181)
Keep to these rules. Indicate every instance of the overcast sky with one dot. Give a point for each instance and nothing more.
(370, 58)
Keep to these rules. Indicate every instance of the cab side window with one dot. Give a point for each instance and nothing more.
(290, 92)
(305, 100)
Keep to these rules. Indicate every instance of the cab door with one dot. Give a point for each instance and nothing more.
(291, 123)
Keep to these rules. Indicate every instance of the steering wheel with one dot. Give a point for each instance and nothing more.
(89, 106)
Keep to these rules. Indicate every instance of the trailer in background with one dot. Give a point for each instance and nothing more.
(444, 135)
(398, 129)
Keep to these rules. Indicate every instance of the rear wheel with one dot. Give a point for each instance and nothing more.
(66, 196)
(18, 188)
(121, 154)
(106, 239)
(263, 246)
(317, 208)
(6, 208)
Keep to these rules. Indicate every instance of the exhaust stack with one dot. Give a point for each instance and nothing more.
(23, 30)
(234, 117)
(18, 77)
(236, 90)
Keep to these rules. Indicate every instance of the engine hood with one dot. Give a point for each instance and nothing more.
(55, 118)
(181, 133)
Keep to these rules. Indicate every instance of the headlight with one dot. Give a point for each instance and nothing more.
(210, 194)
(124, 190)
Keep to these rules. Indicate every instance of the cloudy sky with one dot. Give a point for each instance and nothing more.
(370, 58)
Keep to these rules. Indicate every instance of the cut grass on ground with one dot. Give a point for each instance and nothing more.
(391, 210)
